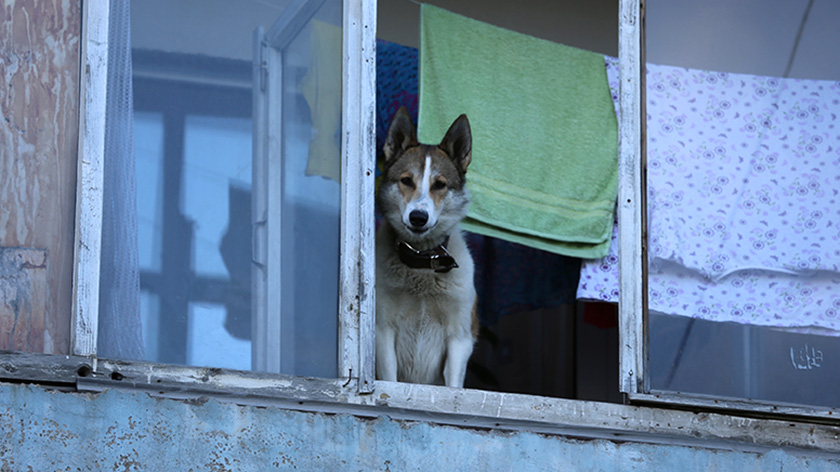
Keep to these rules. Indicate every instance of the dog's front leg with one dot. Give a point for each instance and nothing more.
(458, 351)
(386, 354)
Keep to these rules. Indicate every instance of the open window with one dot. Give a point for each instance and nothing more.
(297, 193)
(240, 146)
(534, 338)
(734, 296)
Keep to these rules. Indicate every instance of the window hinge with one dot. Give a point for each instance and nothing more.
(263, 66)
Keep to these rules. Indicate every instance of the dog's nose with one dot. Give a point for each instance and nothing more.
(418, 218)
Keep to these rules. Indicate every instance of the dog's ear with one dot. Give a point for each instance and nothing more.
(458, 143)
(401, 135)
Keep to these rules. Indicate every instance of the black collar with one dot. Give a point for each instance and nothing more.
(436, 258)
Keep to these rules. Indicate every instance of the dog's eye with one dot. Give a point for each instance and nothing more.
(407, 182)
(439, 185)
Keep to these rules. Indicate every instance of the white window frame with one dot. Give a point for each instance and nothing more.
(93, 85)
(356, 392)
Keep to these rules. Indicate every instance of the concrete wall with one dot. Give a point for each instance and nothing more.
(44, 430)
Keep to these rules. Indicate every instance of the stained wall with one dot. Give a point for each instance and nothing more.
(132, 431)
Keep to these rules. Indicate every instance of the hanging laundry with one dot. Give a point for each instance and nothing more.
(743, 203)
(321, 87)
(744, 172)
(545, 162)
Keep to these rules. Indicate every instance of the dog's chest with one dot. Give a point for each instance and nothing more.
(420, 342)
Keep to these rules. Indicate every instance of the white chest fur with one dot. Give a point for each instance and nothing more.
(423, 318)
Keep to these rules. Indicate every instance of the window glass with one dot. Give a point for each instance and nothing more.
(743, 171)
(149, 158)
(208, 327)
(309, 132)
(217, 183)
(202, 124)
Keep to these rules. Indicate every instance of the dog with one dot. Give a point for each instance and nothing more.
(426, 322)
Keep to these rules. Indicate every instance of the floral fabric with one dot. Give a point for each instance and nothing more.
(743, 177)
(747, 172)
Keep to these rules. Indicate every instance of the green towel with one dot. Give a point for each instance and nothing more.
(544, 169)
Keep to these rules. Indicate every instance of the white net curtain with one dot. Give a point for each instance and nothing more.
(120, 331)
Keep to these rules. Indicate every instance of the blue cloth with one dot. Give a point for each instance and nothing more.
(396, 86)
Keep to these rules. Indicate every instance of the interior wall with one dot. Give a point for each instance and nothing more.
(561, 21)
(746, 36)
(39, 73)
(759, 37)
(397, 21)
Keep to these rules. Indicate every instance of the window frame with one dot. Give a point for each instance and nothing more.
(356, 297)
(84, 328)
(356, 303)
(741, 427)
(631, 214)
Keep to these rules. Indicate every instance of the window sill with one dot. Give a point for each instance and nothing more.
(457, 407)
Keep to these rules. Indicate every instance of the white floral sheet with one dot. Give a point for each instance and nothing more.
(744, 212)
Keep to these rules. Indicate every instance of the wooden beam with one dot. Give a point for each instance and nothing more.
(436, 404)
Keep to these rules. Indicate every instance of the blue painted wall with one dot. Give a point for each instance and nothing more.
(117, 431)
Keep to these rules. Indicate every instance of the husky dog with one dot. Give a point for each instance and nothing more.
(426, 321)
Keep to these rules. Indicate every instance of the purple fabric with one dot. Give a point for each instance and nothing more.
(396, 85)
(743, 177)
(747, 171)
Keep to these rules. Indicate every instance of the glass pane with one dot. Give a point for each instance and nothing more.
(217, 186)
(311, 168)
(149, 318)
(194, 129)
(208, 328)
(148, 130)
(743, 167)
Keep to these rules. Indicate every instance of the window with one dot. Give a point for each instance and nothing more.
(207, 127)
(238, 244)
(741, 273)
(526, 297)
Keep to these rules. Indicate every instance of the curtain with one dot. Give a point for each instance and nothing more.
(120, 330)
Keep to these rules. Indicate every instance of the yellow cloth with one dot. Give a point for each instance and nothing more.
(321, 88)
